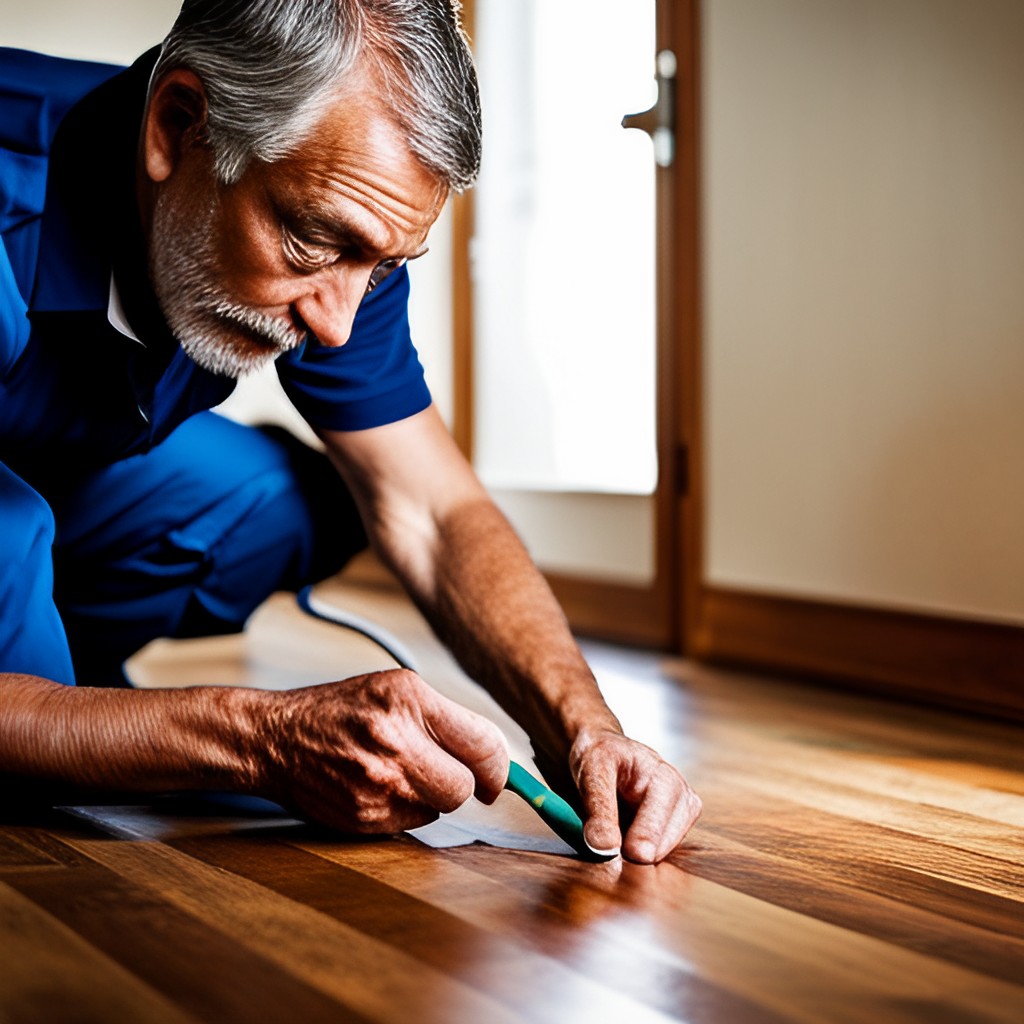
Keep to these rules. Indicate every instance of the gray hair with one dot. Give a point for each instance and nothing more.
(270, 68)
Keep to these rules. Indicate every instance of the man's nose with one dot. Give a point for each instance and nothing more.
(330, 305)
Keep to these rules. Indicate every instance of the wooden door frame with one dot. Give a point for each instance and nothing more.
(646, 615)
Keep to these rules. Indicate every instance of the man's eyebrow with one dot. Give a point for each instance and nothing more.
(340, 227)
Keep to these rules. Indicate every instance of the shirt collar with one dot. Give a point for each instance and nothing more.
(116, 316)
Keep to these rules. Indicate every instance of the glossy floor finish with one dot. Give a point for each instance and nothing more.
(858, 861)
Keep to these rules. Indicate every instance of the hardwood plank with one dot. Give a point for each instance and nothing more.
(193, 964)
(48, 974)
(17, 852)
(859, 861)
(874, 789)
(847, 720)
(37, 836)
(478, 957)
(977, 776)
(878, 860)
(958, 833)
(535, 920)
(792, 964)
(363, 974)
(815, 891)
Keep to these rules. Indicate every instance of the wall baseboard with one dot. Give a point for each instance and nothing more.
(956, 662)
(616, 612)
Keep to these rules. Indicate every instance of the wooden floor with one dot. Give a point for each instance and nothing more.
(858, 861)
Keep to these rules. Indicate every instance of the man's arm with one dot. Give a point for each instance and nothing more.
(433, 524)
(376, 753)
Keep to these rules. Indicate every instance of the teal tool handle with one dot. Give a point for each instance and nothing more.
(553, 811)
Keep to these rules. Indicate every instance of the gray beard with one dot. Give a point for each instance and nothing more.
(222, 336)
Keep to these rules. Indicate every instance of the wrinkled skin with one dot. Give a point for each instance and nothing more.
(380, 753)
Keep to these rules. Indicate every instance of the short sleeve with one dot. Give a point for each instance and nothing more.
(373, 379)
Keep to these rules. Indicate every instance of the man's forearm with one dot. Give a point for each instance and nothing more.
(493, 609)
(84, 739)
(433, 523)
(435, 526)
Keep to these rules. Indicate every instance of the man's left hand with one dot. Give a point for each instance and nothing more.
(627, 787)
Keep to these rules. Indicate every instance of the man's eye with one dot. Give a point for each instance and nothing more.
(382, 270)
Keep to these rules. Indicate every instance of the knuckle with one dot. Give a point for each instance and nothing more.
(395, 690)
(378, 688)
(644, 837)
(373, 821)
(384, 734)
(405, 683)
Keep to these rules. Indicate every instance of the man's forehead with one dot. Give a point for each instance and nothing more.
(357, 155)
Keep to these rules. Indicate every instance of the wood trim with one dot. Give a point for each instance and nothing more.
(463, 228)
(616, 612)
(967, 664)
(688, 564)
(463, 388)
(610, 611)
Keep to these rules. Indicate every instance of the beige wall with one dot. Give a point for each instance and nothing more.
(864, 300)
(106, 30)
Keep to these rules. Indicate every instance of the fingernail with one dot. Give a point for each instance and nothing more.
(597, 851)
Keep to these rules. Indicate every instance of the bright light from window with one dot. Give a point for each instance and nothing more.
(564, 254)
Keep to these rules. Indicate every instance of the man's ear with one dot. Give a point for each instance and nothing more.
(175, 122)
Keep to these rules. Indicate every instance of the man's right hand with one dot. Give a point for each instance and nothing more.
(378, 753)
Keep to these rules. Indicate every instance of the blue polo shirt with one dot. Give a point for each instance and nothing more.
(76, 392)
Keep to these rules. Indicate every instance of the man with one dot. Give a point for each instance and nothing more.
(251, 193)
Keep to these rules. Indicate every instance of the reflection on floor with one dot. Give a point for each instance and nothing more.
(857, 861)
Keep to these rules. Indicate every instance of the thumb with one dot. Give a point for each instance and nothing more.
(470, 738)
(598, 788)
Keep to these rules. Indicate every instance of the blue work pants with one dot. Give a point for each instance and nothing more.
(185, 540)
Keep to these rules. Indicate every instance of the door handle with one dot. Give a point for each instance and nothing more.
(660, 120)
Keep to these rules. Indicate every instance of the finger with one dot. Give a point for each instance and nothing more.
(434, 777)
(684, 817)
(402, 816)
(653, 826)
(469, 738)
(375, 813)
(598, 785)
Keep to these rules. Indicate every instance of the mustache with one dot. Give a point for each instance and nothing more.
(273, 331)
